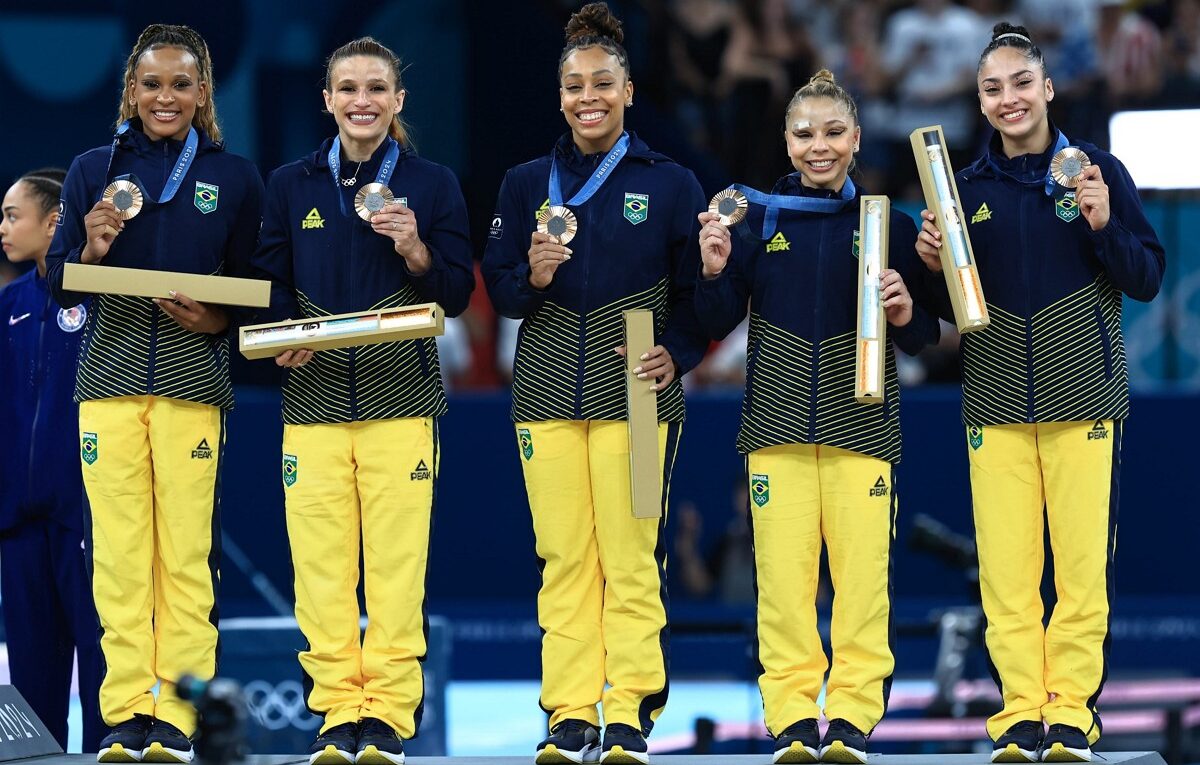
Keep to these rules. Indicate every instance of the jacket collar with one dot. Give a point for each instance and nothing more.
(1027, 168)
(792, 185)
(319, 160)
(570, 157)
(135, 140)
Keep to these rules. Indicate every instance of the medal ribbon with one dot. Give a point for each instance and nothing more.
(601, 174)
(386, 169)
(182, 165)
(776, 202)
(1048, 183)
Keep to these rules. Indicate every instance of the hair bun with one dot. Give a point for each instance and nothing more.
(822, 76)
(1004, 28)
(594, 20)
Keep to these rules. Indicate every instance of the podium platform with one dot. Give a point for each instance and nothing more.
(1109, 758)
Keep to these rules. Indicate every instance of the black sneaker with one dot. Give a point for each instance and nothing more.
(800, 742)
(624, 745)
(571, 741)
(336, 746)
(1065, 743)
(125, 741)
(843, 743)
(378, 743)
(166, 743)
(1022, 742)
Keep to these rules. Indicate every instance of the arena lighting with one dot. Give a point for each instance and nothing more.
(1158, 147)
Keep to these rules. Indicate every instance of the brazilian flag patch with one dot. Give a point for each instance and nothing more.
(760, 489)
(291, 470)
(89, 448)
(526, 439)
(856, 246)
(637, 207)
(975, 436)
(1067, 208)
(206, 197)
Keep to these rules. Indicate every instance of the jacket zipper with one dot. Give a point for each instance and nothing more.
(818, 306)
(156, 313)
(39, 370)
(1027, 200)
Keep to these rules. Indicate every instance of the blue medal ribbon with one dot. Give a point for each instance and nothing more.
(776, 202)
(182, 165)
(601, 174)
(386, 168)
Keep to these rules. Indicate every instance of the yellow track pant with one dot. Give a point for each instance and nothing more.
(365, 486)
(151, 469)
(602, 604)
(1023, 477)
(801, 495)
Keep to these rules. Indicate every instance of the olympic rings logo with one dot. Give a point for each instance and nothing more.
(277, 707)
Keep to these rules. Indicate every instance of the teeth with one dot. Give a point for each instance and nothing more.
(1014, 115)
(164, 115)
(591, 116)
(822, 164)
(362, 118)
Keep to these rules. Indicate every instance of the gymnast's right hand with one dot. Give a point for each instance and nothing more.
(715, 245)
(293, 358)
(101, 226)
(929, 242)
(545, 256)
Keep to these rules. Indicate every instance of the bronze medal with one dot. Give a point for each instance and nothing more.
(372, 198)
(126, 197)
(731, 205)
(558, 222)
(1067, 167)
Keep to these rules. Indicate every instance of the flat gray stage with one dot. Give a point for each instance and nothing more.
(1126, 758)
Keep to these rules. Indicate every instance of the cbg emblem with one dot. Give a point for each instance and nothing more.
(89, 449)
(291, 470)
(760, 489)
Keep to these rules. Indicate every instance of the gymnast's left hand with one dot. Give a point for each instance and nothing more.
(193, 316)
(897, 303)
(1092, 197)
(657, 365)
(398, 223)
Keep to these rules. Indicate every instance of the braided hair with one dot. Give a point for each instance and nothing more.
(45, 186)
(174, 36)
(1005, 35)
(591, 26)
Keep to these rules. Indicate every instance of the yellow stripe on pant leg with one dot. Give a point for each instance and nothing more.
(856, 518)
(554, 457)
(632, 557)
(117, 475)
(1081, 463)
(1007, 496)
(396, 460)
(186, 441)
(323, 530)
(785, 513)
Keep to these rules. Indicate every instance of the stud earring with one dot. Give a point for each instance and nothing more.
(629, 103)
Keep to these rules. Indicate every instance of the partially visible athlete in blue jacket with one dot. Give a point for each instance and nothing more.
(822, 466)
(360, 437)
(602, 602)
(1045, 396)
(153, 385)
(48, 612)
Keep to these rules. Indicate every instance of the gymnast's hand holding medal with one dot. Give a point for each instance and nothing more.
(397, 222)
(727, 208)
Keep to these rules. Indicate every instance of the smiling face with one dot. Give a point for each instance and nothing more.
(1014, 95)
(25, 230)
(593, 92)
(166, 89)
(363, 99)
(821, 140)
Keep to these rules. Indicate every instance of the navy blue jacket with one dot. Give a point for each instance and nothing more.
(802, 288)
(130, 346)
(322, 262)
(636, 248)
(1054, 351)
(39, 419)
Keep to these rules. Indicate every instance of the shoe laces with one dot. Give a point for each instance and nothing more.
(372, 726)
(1060, 728)
(840, 726)
(345, 729)
(572, 726)
(1024, 726)
(621, 729)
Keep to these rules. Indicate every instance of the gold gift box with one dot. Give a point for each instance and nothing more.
(874, 221)
(384, 325)
(645, 473)
(140, 282)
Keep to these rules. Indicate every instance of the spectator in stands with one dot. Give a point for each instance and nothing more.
(1131, 56)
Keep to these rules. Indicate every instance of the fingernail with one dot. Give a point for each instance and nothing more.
(642, 376)
(637, 369)
(570, 251)
(171, 293)
(644, 356)
(566, 257)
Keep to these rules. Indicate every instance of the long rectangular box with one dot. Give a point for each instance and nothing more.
(645, 473)
(384, 325)
(870, 355)
(141, 282)
(941, 198)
